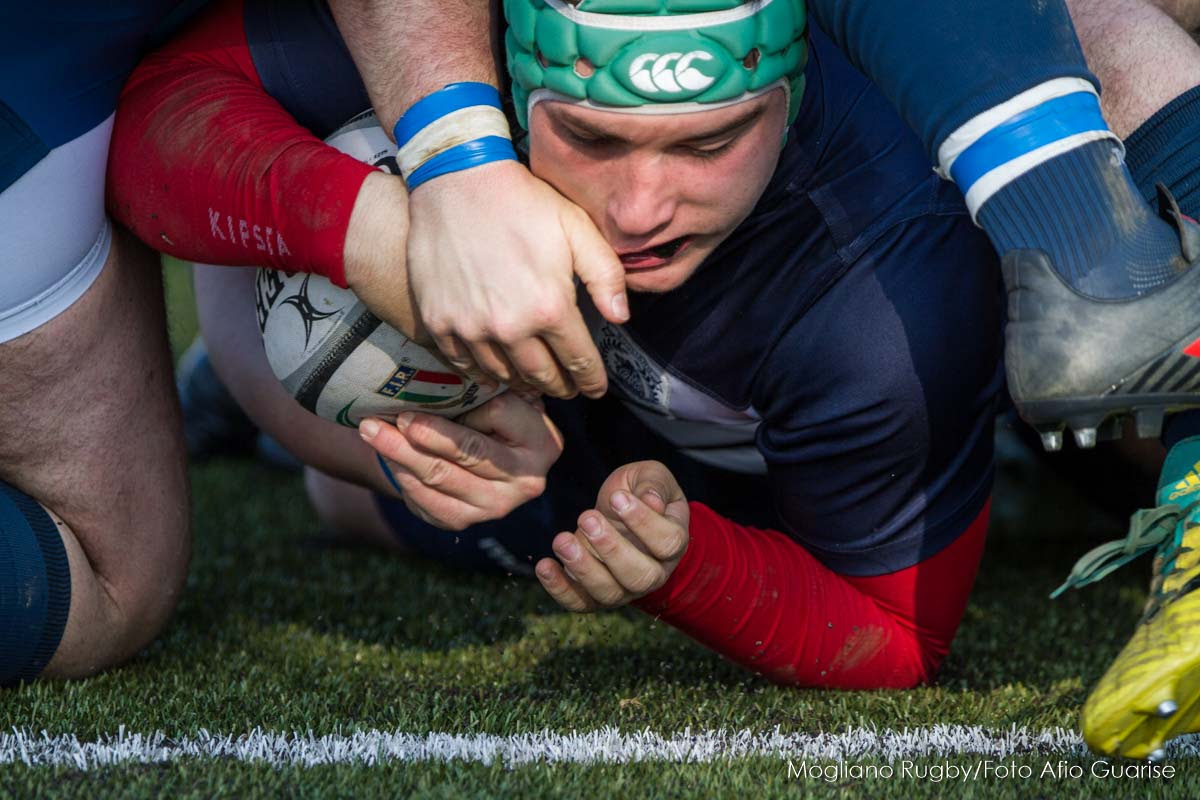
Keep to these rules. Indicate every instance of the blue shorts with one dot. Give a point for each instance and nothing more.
(62, 67)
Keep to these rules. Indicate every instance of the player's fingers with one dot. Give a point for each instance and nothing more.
(653, 500)
(441, 511)
(492, 360)
(440, 438)
(516, 384)
(518, 422)
(576, 351)
(637, 572)
(539, 368)
(598, 267)
(495, 364)
(434, 472)
(427, 504)
(458, 356)
(566, 592)
(662, 535)
(588, 571)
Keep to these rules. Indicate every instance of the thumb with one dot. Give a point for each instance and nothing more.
(598, 267)
(649, 481)
(513, 421)
(654, 484)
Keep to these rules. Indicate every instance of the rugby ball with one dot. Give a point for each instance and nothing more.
(333, 355)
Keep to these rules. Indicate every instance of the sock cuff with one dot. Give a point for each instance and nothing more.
(42, 560)
(1155, 135)
(1166, 149)
(998, 146)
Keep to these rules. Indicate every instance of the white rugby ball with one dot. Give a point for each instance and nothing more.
(333, 355)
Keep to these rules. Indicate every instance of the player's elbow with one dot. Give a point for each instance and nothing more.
(877, 659)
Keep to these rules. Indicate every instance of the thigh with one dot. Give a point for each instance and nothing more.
(89, 424)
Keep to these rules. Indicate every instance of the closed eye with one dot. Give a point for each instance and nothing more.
(709, 151)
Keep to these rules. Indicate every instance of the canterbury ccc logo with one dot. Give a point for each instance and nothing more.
(670, 72)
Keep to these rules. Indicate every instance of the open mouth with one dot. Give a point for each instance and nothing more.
(655, 256)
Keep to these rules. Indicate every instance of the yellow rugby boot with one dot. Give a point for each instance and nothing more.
(1151, 691)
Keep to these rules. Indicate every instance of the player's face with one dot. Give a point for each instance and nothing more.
(664, 190)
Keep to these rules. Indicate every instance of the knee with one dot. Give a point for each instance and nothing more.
(66, 614)
(146, 594)
(120, 607)
(915, 662)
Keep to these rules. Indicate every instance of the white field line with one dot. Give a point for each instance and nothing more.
(606, 745)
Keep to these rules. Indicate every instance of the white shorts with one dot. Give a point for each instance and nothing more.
(54, 235)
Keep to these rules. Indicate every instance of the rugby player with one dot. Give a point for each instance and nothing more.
(812, 356)
(1151, 68)
(1000, 96)
(1134, 23)
(91, 561)
(94, 516)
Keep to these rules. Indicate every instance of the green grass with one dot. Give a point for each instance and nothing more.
(282, 630)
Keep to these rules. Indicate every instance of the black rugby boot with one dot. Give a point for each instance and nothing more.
(1087, 364)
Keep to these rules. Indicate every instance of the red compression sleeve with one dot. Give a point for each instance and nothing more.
(760, 599)
(206, 166)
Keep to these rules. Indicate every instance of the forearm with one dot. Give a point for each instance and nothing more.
(407, 49)
(226, 313)
(206, 166)
(761, 600)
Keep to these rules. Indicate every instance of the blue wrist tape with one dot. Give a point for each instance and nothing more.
(464, 156)
(387, 473)
(454, 97)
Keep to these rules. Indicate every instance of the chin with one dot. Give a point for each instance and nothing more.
(656, 281)
(666, 278)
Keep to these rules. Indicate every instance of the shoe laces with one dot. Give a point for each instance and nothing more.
(1149, 529)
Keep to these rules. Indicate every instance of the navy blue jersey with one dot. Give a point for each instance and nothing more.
(844, 343)
(62, 66)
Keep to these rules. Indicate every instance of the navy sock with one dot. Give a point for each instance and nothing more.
(35, 587)
(1166, 149)
(1084, 211)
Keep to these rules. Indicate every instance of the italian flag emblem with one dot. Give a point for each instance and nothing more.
(424, 387)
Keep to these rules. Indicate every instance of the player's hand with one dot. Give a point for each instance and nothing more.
(480, 467)
(491, 256)
(624, 548)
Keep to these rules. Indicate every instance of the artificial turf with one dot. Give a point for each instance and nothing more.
(284, 630)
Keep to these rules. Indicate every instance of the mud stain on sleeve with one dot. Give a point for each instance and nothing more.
(862, 645)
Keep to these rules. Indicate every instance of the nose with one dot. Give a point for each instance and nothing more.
(643, 199)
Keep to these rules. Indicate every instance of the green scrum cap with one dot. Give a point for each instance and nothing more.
(654, 56)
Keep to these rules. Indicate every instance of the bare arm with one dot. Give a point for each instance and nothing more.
(494, 289)
(406, 49)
